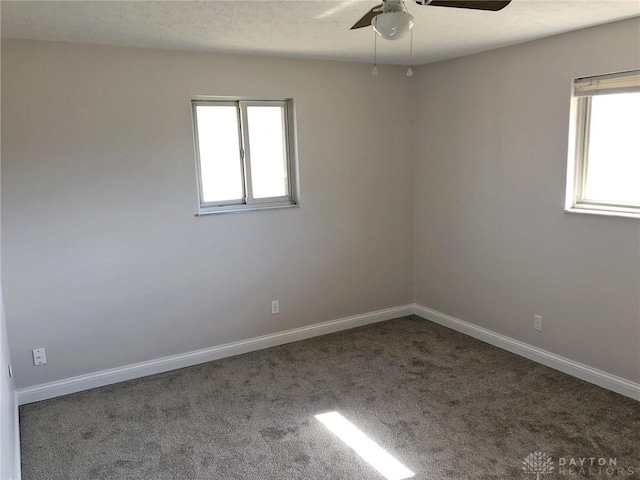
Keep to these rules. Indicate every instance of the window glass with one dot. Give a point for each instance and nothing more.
(613, 158)
(220, 161)
(267, 144)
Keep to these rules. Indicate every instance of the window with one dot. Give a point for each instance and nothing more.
(244, 154)
(604, 158)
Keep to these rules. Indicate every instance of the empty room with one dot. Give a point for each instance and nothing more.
(273, 240)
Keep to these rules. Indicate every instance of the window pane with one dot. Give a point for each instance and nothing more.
(220, 162)
(267, 144)
(613, 167)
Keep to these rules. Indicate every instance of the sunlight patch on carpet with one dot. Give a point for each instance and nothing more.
(370, 451)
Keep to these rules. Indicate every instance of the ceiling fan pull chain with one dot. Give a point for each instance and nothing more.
(374, 72)
(410, 70)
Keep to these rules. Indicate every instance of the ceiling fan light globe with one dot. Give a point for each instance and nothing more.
(392, 25)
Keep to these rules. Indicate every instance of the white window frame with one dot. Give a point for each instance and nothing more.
(583, 90)
(248, 202)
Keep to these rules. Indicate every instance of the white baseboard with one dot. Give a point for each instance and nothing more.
(575, 369)
(17, 467)
(129, 372)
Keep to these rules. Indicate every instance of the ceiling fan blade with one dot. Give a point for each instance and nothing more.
(491, 5)
(368, 17)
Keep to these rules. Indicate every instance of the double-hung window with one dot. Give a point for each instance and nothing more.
(244, 154)
(604, 157)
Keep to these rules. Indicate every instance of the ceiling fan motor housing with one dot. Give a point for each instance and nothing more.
(390, 6)
(402, 21)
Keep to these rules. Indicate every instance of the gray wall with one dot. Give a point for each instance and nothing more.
(105, 265)
(104, 262)
(492, 243)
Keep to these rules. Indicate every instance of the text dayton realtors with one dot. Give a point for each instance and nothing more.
(592, 466)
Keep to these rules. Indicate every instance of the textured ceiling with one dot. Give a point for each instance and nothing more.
(301, 28)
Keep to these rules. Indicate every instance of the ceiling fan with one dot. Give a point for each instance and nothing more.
(391, 20)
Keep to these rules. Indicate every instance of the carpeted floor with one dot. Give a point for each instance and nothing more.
(445, 405)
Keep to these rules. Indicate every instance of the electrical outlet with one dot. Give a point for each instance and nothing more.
(537, 322)
(275, 307)
(39, 356)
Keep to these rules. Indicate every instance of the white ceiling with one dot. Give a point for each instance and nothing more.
(301, 28)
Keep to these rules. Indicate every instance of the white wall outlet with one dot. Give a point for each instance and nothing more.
(537, 322)
(39, 356)
(275, 307)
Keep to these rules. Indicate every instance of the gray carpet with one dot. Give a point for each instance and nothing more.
(445, 405)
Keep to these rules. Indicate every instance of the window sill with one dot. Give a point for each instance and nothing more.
(608, 211)
(243, 208)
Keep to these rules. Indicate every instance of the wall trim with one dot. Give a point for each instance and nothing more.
(152, 367)
(565, 365)
(160, 365)
(17, 467)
